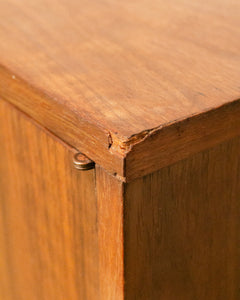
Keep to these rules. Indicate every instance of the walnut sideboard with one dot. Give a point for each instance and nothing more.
(120, 150)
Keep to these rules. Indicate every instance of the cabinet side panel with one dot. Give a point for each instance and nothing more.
(110, 220)
(48, 216)
(182, 229)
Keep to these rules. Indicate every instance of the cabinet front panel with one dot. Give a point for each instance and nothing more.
(182, 229)
(48, 216)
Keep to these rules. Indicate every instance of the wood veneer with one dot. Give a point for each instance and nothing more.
(48, 216)
(182, 223)
(148, 90)
(104, 75)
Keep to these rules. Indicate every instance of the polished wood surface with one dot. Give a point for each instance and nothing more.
(148, 90)
(87, 235)
(181, 229)
(114, 72)
(48, 216)
(176, 142)
(110, 228)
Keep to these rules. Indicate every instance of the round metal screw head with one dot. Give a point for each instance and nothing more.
(82, 162)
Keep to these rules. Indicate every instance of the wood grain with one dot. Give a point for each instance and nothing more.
(175, 142)
(89, 139)
(48, 216)
(181, 229)
(103, 74)
(173, 234)
(110, 220)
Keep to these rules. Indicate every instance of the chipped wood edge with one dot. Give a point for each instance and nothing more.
(125, 158)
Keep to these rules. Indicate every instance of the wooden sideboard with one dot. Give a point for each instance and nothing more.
(149, 93)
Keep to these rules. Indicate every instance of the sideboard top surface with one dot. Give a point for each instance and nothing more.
(113, 72)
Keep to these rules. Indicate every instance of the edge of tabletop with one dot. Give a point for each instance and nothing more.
(124, 158)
